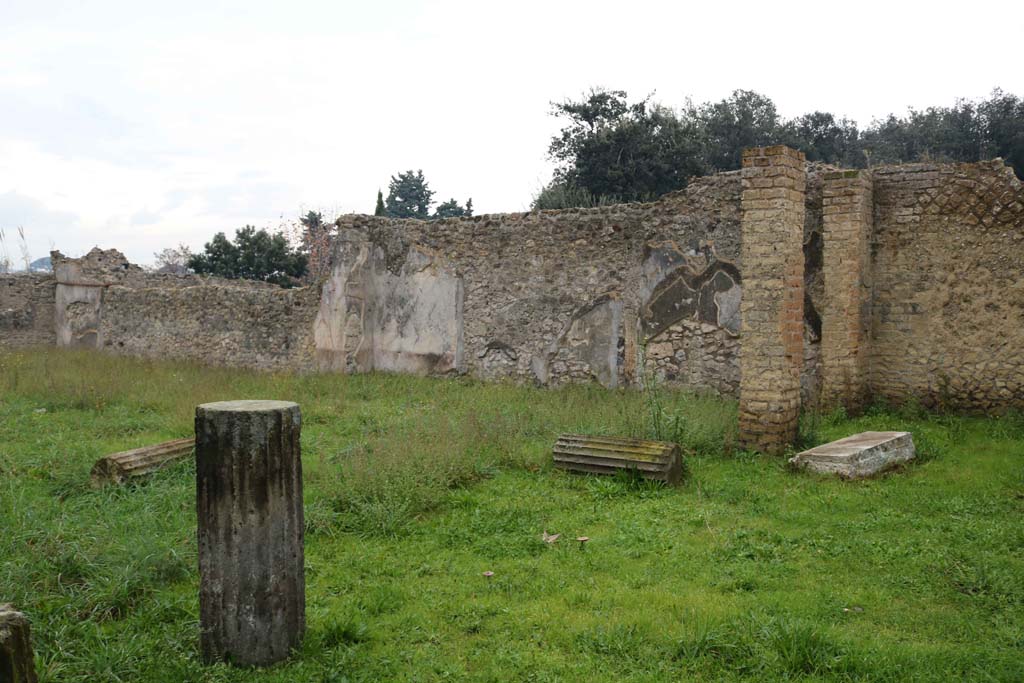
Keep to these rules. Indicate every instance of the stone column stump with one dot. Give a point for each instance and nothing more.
(16, 663)
(252, 603)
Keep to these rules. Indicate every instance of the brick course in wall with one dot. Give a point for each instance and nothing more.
(771, 354)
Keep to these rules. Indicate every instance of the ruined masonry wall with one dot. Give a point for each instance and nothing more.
(913, 280)
(947, 321)
(266, 328)
(27, 310)
(553, 296)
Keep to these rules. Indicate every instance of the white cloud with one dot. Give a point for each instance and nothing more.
(156, 124)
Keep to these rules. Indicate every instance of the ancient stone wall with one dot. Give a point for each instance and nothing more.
(265, 328)
(912, 289)
(104, 302)
(27, 310)
(947, 314)
(548, 297)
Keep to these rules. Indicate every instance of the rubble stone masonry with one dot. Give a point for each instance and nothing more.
(947, 312)
(27, 310)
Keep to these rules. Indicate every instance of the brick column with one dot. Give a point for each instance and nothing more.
(847, 222)
(772, 308)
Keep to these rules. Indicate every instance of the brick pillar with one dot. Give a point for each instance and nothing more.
(847, 223)
(772, 308)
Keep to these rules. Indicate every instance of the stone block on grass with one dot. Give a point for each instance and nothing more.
(858, 456)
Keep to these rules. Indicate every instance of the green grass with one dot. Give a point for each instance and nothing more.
(415, 487)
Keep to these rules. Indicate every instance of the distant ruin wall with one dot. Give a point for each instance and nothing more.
(252, 327)
(947, 310)
(913, 289)
(103, 302)
(27, 310)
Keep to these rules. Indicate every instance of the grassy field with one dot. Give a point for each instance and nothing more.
(415, 487)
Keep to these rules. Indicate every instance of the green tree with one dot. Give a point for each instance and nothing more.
(611, 149)
(823, 137)
(1003, 116)
(313, 221)
(965, 131)
(560, 195)
(253, 255)
(379, 210)
(316, 243)
(452, 209)
(726, 128)
(409, 196)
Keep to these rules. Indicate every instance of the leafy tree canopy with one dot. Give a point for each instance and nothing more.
(612, 150)
(409, 196)
(452, 209)
(253, 255)
(312, 221)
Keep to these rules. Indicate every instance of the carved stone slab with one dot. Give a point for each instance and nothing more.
(858, 456)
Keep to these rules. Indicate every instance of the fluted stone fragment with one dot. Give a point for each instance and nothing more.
(249, 503)
(120, 468)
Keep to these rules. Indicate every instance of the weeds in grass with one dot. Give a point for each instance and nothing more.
(345, 629)
(695, 421)
(800, 648)
(414, 487)
(623, 642)
(1009, 425)
(704, 637)
(759, 644)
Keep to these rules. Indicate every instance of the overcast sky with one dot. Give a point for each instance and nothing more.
(140, 125)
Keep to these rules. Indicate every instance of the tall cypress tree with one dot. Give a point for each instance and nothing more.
(380, 210)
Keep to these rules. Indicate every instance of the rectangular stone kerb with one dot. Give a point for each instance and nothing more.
(772, 309)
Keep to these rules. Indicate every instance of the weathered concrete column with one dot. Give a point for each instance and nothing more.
(252, 602)
(771, 337)
(847, 222)
(16, 663)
